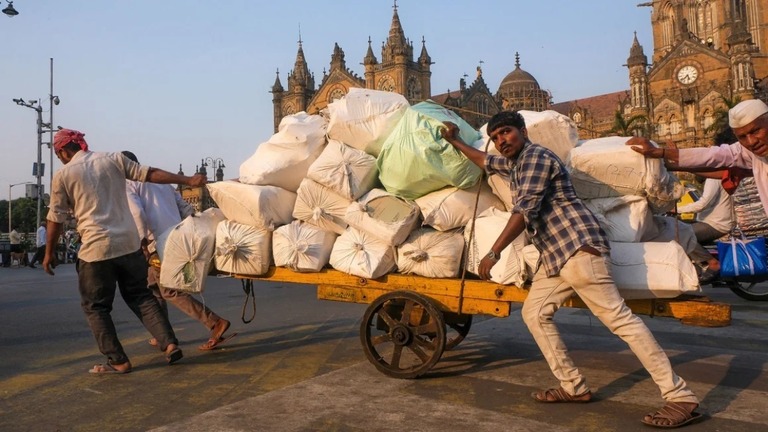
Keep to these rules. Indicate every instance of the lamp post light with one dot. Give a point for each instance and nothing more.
(9, 10)
(38, 171)
(215, 163)
(10, 225)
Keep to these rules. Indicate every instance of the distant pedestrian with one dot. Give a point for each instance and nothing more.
(91, 185)
(40, 243)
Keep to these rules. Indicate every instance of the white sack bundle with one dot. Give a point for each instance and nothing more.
(666, 229)
(431, 253)
(360, 254)
(607, 167)
(624, 219)
(452, 207)
(383, 215)
(186, 250)
(501, 188)
(258, 206)
(511, 266)
(321, 207)
(364, 118)
(284, 159)
(243, 249)
(302, 247)
(349, 172)
(652, 270)
(645, 270)
(549, 129)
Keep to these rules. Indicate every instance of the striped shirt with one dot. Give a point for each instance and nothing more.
(556, 220)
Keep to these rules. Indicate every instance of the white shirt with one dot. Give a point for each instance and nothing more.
(15, 237)
(155, 207)
(41, 236)
(730, 155)
(714, 207)
(92, 185)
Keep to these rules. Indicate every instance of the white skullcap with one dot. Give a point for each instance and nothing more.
(746, 112)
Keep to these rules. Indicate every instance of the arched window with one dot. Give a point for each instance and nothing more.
(386, 84)
(674, 125)
(707, 119)
(577, 118)
(336, 93)
(661, 126)
(413, 90)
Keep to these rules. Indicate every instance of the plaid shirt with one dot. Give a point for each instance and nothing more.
(556, 220)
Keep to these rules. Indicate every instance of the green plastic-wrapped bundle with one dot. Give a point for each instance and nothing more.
(415, 160)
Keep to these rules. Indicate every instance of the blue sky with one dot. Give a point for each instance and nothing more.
(177, 81)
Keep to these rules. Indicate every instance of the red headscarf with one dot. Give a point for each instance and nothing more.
(66, 136)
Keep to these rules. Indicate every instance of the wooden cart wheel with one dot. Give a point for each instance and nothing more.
(458, 326)
(403, 334)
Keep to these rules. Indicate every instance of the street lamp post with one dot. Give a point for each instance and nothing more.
(215, 163)
(10, 208)
(33, 104)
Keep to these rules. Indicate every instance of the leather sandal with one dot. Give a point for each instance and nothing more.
(559, 395)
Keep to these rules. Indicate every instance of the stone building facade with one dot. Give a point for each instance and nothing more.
(707, 55)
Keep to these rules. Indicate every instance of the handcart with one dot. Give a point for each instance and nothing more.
(411, 320)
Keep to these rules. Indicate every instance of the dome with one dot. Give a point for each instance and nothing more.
(517, 80)
(519, 90)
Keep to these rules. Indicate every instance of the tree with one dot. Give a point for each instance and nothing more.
(628, 126)
(24, 214)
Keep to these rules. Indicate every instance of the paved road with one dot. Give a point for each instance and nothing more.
(299, 367)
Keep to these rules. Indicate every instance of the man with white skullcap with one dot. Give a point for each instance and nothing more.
(749, 121)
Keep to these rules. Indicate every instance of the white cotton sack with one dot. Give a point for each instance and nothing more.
(385, 216)
(652, 270)
(502, 189)
(284, 159)
(666, 229)
(549, 129)
(607, 167)
(242, 249)
(361, 254)
(488, 226)
(321, 207)
(186, 250)
(451, 207)
(624, 219)
(258, 206)
(302, 247)
(364, 118)
(431, 253)
(347, 171)
(645, 270)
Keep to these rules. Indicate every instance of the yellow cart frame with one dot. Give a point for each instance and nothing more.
(411, 320)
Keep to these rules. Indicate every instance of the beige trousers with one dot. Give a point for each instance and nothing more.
(588, 275)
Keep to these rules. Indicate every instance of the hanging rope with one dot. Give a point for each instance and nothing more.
(249, 295)
(471, 233)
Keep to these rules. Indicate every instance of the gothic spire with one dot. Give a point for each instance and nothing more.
(370, 58)
(277, 87)
(424, 58)
(636, 54)
(337, 59)
(300, 73)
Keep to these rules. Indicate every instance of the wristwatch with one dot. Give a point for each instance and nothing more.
(493, 257)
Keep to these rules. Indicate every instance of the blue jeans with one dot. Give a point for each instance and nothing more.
(97, 282)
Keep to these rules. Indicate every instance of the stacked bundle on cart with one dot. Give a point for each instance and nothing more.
(369, 187)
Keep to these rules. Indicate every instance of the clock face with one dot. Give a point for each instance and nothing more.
(687, 74)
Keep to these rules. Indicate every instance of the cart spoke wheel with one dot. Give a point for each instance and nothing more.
(458, 328)
(403, 334)
(749, 290)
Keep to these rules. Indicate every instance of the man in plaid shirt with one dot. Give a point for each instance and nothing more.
(574, 258)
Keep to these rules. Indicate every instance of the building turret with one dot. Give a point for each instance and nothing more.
(740, 51)
(397, 48)
(637, 63)
(424, 57)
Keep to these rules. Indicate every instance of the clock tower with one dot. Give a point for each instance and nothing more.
(707, 55)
